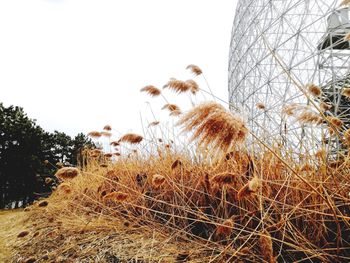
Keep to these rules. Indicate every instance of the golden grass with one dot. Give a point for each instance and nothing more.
(220, 202)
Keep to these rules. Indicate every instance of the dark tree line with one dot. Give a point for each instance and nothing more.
(28, 155)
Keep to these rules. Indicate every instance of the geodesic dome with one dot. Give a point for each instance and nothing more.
(277, 48)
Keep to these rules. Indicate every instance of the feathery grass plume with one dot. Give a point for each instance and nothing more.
(324, 106)
(131, 138)
(345, 2)
(96, 151)
(173, 109)
(346, 92)
(194, 69)
(223, 178)
(176, 85)
(266, 248)
(107, 127)
(213, 125)
(154, 123)
(251, 187)
(117, 196)
(335, 121)
(48, 180)
(347, 36)
(108, 155)
(158, 180)
(116, 154)
(314, 90)
(175, 113)
(226, 228)
(308, 116)
(64, 187)
(59, 165)
(176, 163)
(260, 106)
(94, 134)
(43, 203)
(66, 173)
(151, 90)
(290, 109)
(194, 88)
(23, 233)
(115, 143)
(106, 134)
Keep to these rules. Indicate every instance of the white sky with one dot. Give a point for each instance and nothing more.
(76, 65)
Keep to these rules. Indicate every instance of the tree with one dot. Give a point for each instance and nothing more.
(24, 146)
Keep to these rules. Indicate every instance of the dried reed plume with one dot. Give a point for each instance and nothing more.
(116, 196)
(151, 90)
(175, 113)
(324, 106)
(94, 134)
(226, 228)
(223, 178)
(311, 117)
(266, 248)
(176, 85)
(335, 121)
(172, 108)
(158, 180)
(346, 92)
(176, 164)
(59, 165)
(154, 123)
(23, 234)
(64, 187)
(194, 88)
(347, 36)
(213, 125)
(107, 128)
(131, 138)
(251, 187)
(194, 69)
(345, 2)
(290, 109)
(108, 155)
(67, 173)
(314, 90)
(261, 106)
(43, 203)
(48, 180)
(115, 143)
(106, 134)
(180, 86)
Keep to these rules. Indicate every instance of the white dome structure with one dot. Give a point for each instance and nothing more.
(278, 47)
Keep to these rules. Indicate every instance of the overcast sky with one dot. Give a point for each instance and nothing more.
(76, 65)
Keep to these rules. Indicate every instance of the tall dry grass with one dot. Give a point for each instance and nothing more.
(222, 202)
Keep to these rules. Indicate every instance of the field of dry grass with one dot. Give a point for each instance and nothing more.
(151, 199)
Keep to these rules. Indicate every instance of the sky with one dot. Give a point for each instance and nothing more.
(77, 65)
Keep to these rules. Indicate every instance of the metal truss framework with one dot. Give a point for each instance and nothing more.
(308, 36)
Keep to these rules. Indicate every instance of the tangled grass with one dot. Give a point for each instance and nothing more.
(225, 203)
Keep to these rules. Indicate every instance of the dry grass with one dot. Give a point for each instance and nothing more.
(221, 202)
